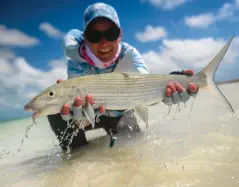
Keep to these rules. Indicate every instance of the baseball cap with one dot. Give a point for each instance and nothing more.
(100, 10)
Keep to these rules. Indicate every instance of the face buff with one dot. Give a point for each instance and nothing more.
(94, 61)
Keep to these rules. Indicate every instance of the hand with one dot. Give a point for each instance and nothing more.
(175, 93)
(77, 113)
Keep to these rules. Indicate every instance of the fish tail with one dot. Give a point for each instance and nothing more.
(209, 73)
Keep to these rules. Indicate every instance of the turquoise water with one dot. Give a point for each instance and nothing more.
(185, 148)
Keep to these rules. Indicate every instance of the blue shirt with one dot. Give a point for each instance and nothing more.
(78, 66)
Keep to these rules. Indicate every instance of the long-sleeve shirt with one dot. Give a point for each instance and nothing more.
(78, 66)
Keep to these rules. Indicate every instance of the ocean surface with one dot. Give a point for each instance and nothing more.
(193, 145)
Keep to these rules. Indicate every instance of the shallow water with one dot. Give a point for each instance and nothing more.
(185, 148)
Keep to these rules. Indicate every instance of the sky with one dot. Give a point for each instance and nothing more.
(170, 35)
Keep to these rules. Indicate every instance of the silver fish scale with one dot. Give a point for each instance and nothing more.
(124, 93)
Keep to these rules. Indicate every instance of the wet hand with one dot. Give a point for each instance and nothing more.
(175, 93)
(77, 113)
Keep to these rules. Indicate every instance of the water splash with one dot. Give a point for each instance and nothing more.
(130, 127)
(169, 110)
(177, 110)
(190, 111)
(26, 135)
(4, 153)
(194, 99)
(190, 120)
(64, 133)
(74, 133)
(54, 151)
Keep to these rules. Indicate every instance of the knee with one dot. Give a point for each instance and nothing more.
(66, 136)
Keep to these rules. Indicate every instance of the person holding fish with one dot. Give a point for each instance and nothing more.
(97, 50)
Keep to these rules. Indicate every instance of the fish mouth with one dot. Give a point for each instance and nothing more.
(29, 108)
(34, 116)
(41, 111)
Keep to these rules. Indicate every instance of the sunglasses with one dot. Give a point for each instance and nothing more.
(95, 36)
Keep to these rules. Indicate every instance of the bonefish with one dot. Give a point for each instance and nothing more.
(123, 90)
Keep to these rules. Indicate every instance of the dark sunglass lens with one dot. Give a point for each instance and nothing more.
(93, 36)
(112, 34)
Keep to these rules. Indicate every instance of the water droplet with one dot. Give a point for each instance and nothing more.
(179, 107)
(130, 127)
(58, 155)
(194, 99)
(97, 119)
(68, 150)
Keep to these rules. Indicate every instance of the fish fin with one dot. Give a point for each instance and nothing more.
(153, 104)
(126, 64)
(130, 75)
(143, 112)
(209, 73)
(80, 92)
(90, 114)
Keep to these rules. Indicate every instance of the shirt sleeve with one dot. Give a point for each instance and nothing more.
(139, 62)
(74, 69)
(72, 39)
(71, 43)
(137, 58)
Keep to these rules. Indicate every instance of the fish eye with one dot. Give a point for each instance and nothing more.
(51, 93)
